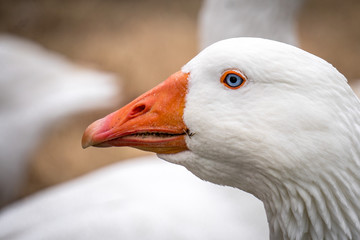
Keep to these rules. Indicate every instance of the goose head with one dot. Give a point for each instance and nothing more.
(262, 116)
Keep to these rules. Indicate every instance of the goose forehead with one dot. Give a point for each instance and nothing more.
(262, 60)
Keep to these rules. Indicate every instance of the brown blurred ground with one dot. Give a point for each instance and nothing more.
(331, 30)
(144, 42)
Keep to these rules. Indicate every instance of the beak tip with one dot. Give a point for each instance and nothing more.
(84, 146)
(86, 141)
(90, 136)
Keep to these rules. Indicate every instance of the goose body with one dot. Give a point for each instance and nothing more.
(141, 198)
(38, 89)
(261, 116)
(275, 19)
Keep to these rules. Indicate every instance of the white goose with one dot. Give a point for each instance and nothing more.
(261, 116)
(275, 19)
(142, 198)
(38, 88)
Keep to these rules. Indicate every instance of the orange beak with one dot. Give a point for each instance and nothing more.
(152, 122)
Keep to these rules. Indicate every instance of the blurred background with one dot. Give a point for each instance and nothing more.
(140, 43)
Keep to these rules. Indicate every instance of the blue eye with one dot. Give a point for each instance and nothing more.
(233, 79)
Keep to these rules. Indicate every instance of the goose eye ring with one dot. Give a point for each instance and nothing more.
(233, 79)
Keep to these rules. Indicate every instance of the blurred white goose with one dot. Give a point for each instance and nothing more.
(39, 88)
(141, 198)
(274, 19)
(261, 116)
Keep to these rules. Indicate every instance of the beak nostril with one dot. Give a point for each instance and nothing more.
(137, 110)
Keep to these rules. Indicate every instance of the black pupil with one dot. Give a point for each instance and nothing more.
(233, 79)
